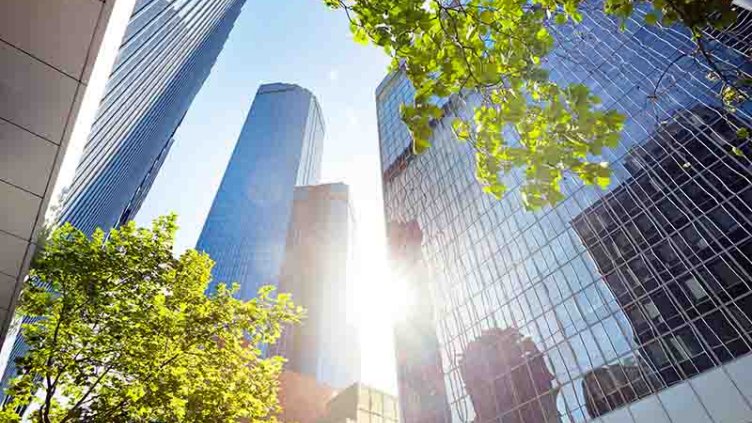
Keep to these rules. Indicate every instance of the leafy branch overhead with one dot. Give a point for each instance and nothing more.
(490, 52)
(121, 331)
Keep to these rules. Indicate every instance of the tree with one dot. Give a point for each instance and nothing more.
(121, 331)
(494, 49)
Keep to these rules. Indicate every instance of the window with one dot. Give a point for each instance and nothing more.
(651, 310)
(365, 400)
(693, 238)
(694, 287)
(678, 347)
(639, 269)
(724, 221)
(685, 341)
(665, 252)
(656, 353)
(724, 273)
(646, 226)
(740, 316)
(635, 315)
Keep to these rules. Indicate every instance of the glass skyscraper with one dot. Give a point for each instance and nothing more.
(314, 271)
(279, 147)
(166, 54)
(631, 304)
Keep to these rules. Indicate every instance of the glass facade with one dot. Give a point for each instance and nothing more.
(279, 147)
(314, 271)
(631, 304)
(361, 404)
(422, 393)
(167, 52)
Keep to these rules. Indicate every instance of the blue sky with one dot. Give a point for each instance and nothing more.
(302, 42)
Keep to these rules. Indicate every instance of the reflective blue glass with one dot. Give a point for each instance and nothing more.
(632, 303)
(167, 52)
(279, 147)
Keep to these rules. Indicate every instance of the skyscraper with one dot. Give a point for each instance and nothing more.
(325, 345)
(696, 312)
(423, 397)
(279, 148)
(361, 404)
(634, 301)
(164, 56)
(54, 62)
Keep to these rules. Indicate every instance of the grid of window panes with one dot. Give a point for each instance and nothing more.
(376, 407)
(279, 147)
(394, 135)
(167, 52)
(624, 293)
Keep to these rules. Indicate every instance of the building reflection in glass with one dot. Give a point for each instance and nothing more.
(610, 387)
(674, 258)
(625, 291)
(422, 392)
(506, 375)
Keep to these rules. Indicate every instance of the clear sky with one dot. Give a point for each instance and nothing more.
(302, 42)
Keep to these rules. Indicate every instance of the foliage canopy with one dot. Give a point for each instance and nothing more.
(121, 331)
(494, 48)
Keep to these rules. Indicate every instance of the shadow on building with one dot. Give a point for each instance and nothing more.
(673, 245)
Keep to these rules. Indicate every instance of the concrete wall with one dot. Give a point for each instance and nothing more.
(55, 58)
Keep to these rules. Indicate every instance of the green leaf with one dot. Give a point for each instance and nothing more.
(420, 145)
(560, 19)
(542, 34)
(651, 18)
(461, 129)
(487, 16)
(360, 36)
(742, 133)
(125, 302)
(737, 151)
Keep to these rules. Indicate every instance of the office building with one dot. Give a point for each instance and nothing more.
(166, 54)
(678, 268)
(160, 58)
(325, 345)
(361, 404)
(629, 304)
(423, 397)
(279, 147)
(54, 62)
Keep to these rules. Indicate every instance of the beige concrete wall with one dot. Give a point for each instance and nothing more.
(55, 57)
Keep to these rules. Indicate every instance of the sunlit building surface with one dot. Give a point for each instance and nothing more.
(361, 404)
(279, 147)
(54, 61)
(630, 304)
(325, 345)
(423, 397)
(167, 51)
